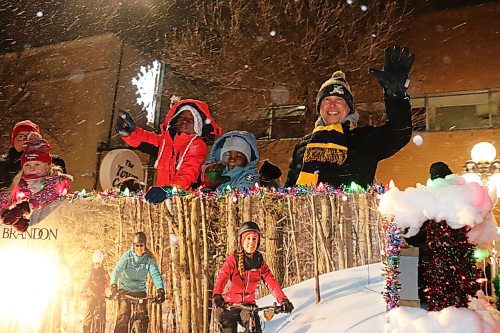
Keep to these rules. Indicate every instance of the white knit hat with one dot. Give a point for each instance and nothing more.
(198, 122)
(238, 144)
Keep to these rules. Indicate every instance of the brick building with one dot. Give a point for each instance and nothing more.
(72, 90)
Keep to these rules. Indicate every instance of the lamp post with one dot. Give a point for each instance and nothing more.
(484, 169)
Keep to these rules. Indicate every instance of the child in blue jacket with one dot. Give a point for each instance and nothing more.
(232, 161)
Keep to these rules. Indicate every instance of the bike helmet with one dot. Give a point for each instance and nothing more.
(97, 257)
(139, 238)
(249, 226)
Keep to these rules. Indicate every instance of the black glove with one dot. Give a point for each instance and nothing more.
(156, 195)
(269, 174)
(124, 124)
(287, 305)
(132, 184)
(160, 296)
(114, 290)
(11, 216)
(397, 65)
(219, 301)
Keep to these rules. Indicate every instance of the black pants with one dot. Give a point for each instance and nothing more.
(229, 319)
(93, 304)
(124, 312)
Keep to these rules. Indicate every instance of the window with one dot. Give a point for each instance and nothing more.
(462, 110)
(468, 110)
(280, 122)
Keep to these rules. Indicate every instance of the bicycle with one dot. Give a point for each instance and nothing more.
(98, 323)
(137, 312)
(268, 312)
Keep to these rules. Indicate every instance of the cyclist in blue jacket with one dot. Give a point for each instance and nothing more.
(129, 277)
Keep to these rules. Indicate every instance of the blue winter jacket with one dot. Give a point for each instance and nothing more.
(131, 272)
(241, 177)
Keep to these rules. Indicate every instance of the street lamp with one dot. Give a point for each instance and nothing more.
(483, 168)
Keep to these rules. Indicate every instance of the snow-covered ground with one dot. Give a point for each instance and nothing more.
(351, 302)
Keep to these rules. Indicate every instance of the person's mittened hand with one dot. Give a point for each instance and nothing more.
(160, 296)
(21, 224)
(397, 65)
(211, 175)
(125, 124)
(114, 290)
(269, 171)
(287, 305)
(219, 301)
(156, 195)
(11, 216)
(8, 217)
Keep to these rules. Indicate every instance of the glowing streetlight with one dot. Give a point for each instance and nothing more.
(483, 168)
(483, 152)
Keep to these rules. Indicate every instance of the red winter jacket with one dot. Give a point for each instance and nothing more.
(180, 156)
(243, 290)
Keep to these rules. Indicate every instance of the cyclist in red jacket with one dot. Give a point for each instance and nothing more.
(245, 268)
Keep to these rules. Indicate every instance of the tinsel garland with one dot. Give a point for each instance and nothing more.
(449, 267)
(496, 286)
(295, 191)
(392, 253)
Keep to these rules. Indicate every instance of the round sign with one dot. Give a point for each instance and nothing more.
(119, 164)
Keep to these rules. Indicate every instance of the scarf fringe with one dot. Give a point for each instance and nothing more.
(330, 155)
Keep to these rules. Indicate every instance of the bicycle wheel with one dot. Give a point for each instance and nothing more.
(97, 325)
(136, 327)
(92, 326)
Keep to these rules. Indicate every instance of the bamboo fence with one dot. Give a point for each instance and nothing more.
(302, 237)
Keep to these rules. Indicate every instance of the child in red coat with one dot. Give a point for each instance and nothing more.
(181, 144)
(37, 185)
(245, 269)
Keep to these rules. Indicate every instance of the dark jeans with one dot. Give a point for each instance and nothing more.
(124, 313)
(229, 319)
(93, 303)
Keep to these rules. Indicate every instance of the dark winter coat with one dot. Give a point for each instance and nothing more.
(242, 290)
(366, 146)
(96, 282)
(10, 166)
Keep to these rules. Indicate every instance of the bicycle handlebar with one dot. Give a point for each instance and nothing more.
(253, 308)
(135, 299)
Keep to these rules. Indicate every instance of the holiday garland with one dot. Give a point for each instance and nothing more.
(449, 267)
(295, 191)
(496, 285)
(394, 241)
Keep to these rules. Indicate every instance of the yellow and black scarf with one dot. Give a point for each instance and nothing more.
(327, 148)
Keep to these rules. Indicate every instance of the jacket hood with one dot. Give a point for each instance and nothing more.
(247, 136)
(210, 127)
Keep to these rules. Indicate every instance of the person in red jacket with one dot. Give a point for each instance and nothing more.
(181, 146)
(244, 269)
